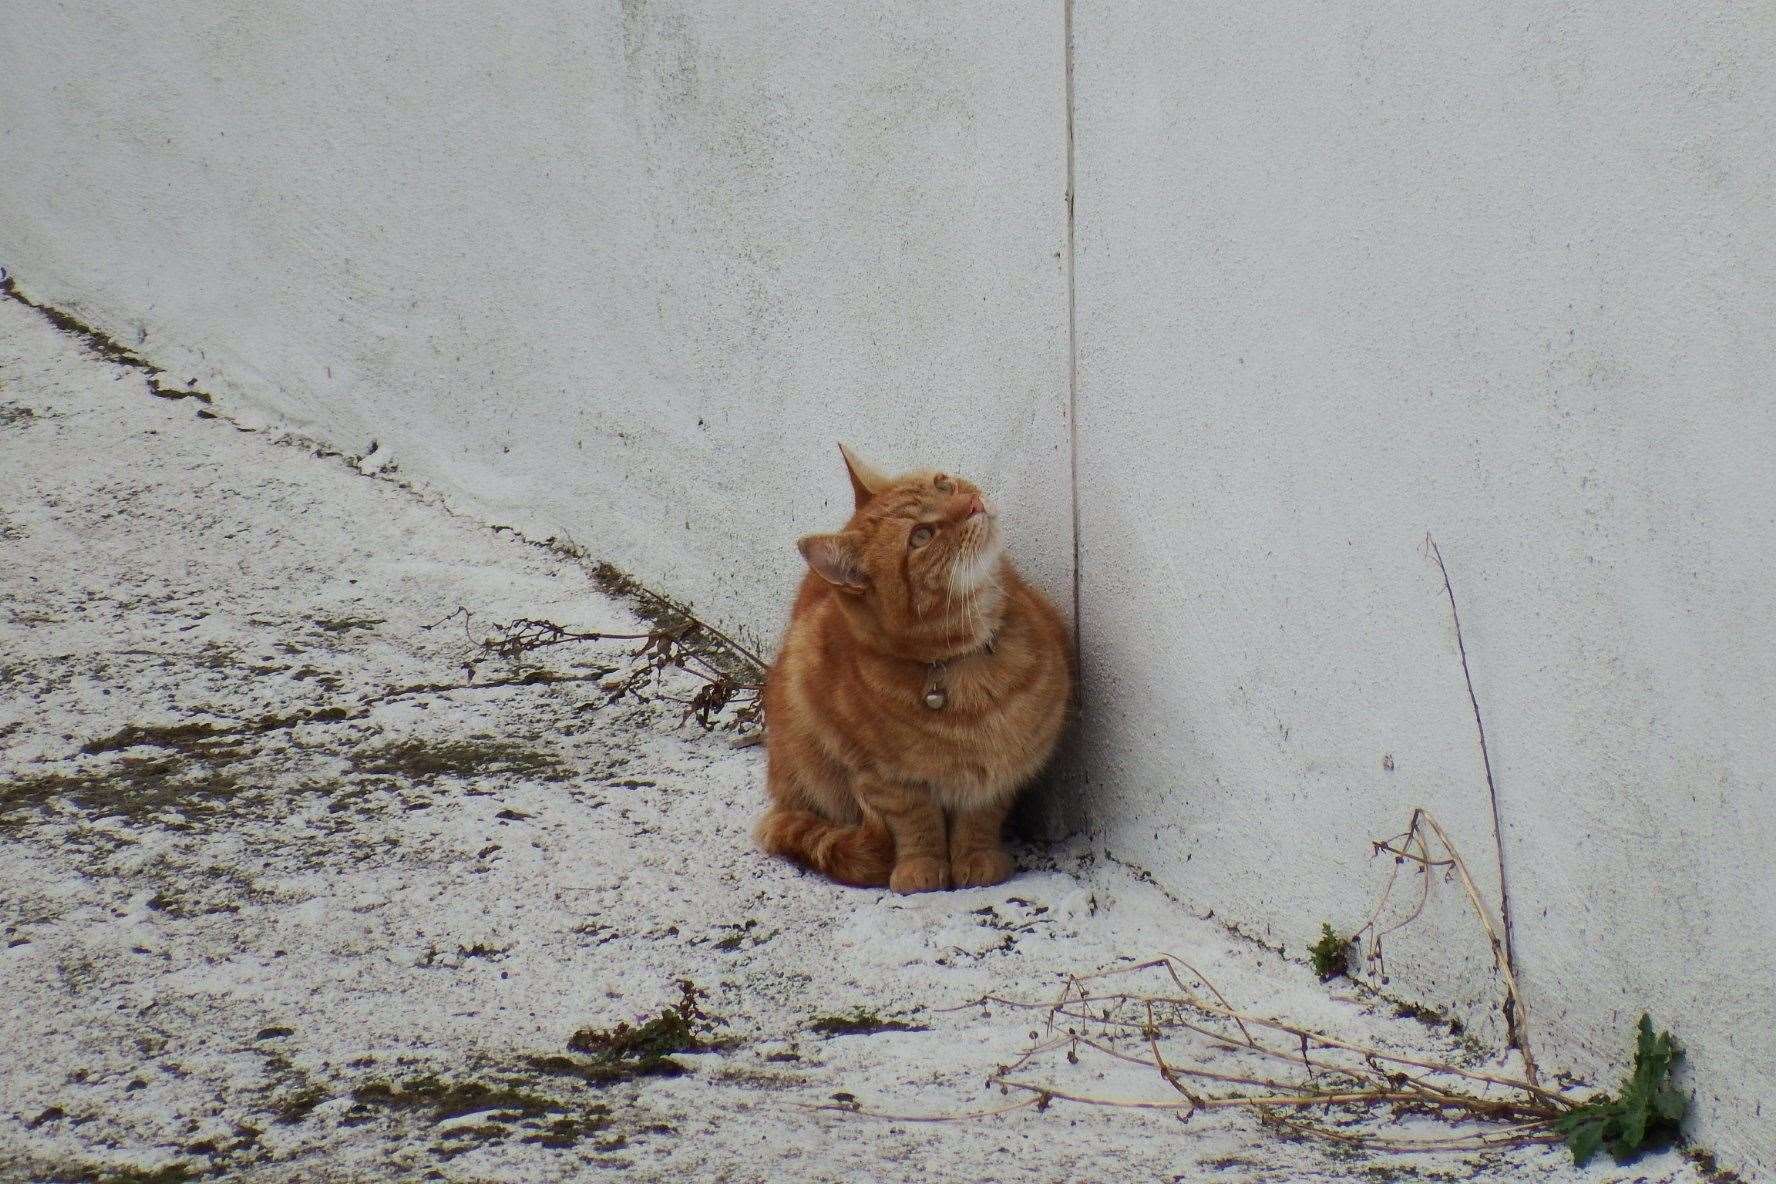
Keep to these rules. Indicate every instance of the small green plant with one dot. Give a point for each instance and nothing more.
(1330, 954)
(644, 1050)
(1647, 1111)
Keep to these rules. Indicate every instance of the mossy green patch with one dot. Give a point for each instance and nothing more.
(176, 775)
(347, 624)
(137, 788)
(859, 1021)
(443, 1099)
(565, 1132)
(177, 737)
(599, 1071)
(424, 761)
(293, 1108)
(171, 1173)
(14, 415)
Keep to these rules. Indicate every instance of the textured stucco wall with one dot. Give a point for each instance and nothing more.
(618, 273)
(1507, 273)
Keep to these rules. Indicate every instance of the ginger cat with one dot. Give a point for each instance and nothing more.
(921, 684)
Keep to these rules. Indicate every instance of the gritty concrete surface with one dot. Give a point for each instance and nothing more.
(296, 889)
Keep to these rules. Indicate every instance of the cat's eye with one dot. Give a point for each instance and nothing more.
(920, 536)
(944, 484)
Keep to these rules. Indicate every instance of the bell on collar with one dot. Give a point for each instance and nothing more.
(935, 698)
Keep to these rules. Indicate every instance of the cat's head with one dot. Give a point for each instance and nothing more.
(921, 555)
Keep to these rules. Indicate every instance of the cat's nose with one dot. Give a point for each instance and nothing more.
(977, 504)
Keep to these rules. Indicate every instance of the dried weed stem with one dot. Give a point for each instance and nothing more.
(731, 679)
(1185, 1031)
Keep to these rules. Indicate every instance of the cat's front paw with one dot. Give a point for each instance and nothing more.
(920, 874)
(981, 869)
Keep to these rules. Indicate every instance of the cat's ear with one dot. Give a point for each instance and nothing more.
(836, 558)
(866, 481)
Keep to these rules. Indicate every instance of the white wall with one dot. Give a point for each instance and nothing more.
(1507, 273)
(1345, 273)
(618, 273)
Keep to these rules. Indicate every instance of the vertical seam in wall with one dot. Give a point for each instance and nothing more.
(1072, 328)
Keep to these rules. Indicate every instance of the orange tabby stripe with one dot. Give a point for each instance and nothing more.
(860, 855)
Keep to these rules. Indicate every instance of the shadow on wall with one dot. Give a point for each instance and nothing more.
(1052, 808)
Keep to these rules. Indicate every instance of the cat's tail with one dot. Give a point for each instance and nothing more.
(860, 855)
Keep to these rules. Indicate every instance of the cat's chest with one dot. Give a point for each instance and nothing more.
(983, 740)
(976, 720)
(972, 706)
(972, 685)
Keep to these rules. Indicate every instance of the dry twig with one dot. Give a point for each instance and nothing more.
(732, 685)
(1300, 1079)
(1516, 1016)
(1413, 846)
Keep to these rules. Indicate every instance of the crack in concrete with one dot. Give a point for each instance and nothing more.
(101, 343)
(651, 605)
